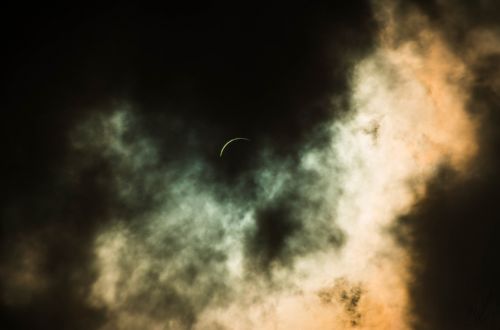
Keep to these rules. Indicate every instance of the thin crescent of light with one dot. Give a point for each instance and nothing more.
(228, 142)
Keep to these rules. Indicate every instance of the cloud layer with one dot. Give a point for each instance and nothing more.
(329, 217)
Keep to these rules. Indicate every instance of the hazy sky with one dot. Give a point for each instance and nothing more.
(366, 196)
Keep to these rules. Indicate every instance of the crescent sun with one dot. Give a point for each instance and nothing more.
(228, 142)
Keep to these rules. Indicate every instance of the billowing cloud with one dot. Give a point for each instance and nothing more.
(149, 228)
(312, 247)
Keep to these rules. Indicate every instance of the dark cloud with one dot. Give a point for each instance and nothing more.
(284, 226)
(274, 225)
(455, 246)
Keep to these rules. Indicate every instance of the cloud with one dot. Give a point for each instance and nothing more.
(331, 217)
(204, 257)
(452, 230)
(199, 245)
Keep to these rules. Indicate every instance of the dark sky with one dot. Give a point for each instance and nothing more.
(197, 76)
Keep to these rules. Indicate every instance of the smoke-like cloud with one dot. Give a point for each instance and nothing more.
(197, 257)
(323, 229)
